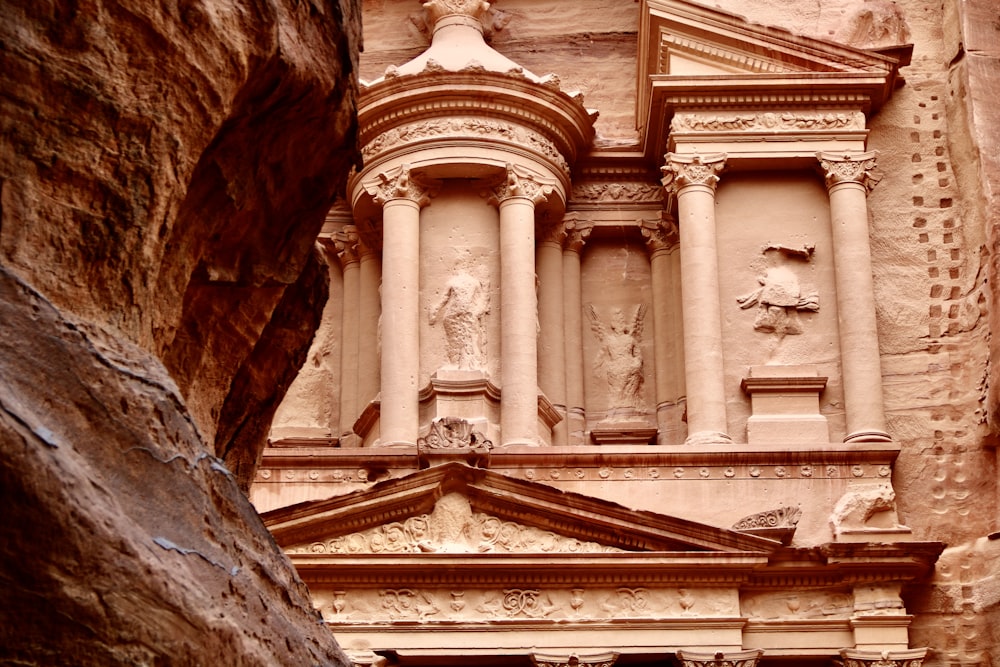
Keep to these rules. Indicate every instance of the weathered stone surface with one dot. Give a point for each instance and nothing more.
(164, 171)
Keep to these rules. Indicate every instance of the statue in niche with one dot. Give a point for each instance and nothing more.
(461, 312)
(781, 297)
(620, 359)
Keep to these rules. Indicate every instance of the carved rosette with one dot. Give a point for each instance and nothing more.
(720, 659)
(524, 184)
(682, 171)
(660, 235)
(398, 183)
(911, 658)
(849, 168)
(574, 660)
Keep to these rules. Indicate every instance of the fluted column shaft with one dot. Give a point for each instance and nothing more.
(848, 181)
(577, 233)
(662, 243)
(346, 243)
(693, 180)
(552, 330)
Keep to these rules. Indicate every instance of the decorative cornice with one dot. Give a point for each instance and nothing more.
(720, 659)
(521, 183)
(849, 168)
(737, 59)
(398, 183)
(767, 121)
(682, 171)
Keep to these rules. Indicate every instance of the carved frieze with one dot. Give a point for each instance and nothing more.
(465, 127)
(769, 121)
(617, 192)
(620, 361)
(453, 527)
(682, 171)
(849, 168)
(786, 605)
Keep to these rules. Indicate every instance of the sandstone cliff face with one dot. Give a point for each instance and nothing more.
(164, 171)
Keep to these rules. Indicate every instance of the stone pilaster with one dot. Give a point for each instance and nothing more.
(516, 198)
(720, 658)
(693, 180)
(577, 232)
(369, 310)
(662, 243)
(848, 180)
(401, 197)
(551, 325)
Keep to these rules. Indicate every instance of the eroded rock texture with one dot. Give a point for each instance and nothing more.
(164, 170)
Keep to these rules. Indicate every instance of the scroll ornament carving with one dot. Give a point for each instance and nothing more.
(682, 171)
(777, 518)
(454, 528)
(478, 127)
(522, 183)
(626, 192)
(781, 296)
(660, 234)
(849, 168)
(767, 121)
(574, 660)
(620, 360)
(398, 183)
(720, 659)
(403, 603)
(452, 433)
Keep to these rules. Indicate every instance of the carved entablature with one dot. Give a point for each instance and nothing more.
(629, 192)
(849, 168)
(683, 171)
(769, 121)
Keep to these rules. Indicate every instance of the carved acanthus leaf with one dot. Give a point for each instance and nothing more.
(689, 122)
(522, 183)
(625, 192)
(577, 233)
(910, 658)
(720, 659)
(682, 171)
(346, 243)
(660, 234)
(398, 183)
(849, 168)
(574, 660)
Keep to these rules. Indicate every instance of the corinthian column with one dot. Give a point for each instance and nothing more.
(552, 330)
(516, 199)
(577, 233)
(848, 180)
(401, 197)
(662, 242)
(693, 180)
(346, 243)
(369, 276)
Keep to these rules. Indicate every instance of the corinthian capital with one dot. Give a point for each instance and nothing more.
(720, 659)
(909, 658)
(660, 234)
(681, 171)
(577, 233)
(849, 168)
(574, 660)
(522, 183)
(346, 243)
(398, 183)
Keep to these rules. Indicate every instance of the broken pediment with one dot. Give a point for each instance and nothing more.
(454, 508)
(697, 57)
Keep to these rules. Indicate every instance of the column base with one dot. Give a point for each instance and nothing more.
(708, 438)
(873, 435)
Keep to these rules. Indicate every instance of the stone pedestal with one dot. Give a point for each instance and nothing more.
(785, 404)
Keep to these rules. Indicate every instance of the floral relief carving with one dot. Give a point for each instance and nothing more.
(454, 528)
(767, 121)
(778, 518)
(452, 433)
(624, 192)
(660, 234)
(398, 183)
(682, 171)
(522, 183)
(781, 296)
(458, 127)
(406, 603)
(797, 604)
(620, 360)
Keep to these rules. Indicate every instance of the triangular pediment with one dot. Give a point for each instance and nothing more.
(693, 56)
(455, 508)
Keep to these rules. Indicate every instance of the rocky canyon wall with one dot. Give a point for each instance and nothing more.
(164, 171)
